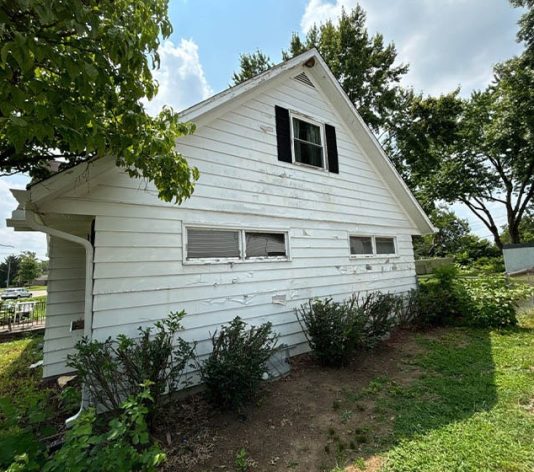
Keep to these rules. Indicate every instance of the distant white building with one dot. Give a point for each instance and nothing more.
(296, 199)
(518, 257)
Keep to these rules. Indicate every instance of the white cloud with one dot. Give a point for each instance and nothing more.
(320, 11)
(181, 78)
(447, 43)
(22, 241)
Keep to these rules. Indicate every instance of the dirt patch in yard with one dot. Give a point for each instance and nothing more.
(308, 421)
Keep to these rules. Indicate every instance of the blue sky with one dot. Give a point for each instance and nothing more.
(447, 43)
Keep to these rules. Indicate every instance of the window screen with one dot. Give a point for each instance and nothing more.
(202, 243)
(361, 245)
(307, 143)
(265, 244)
(385, 246)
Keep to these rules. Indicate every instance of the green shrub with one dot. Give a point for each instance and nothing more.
(333, 330)
(380, 312)
(124, 447)
(443, 300)
(233, 372)
(114, 369)
(411, 313)
(489, 265)
(485, 301)
(495, 300)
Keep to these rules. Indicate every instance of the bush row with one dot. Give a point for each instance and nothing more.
(336, 329)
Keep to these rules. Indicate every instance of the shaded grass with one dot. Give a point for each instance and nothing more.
(468, 417)
(17, 381)
(470, 409)
(30, 410)
(23, 401)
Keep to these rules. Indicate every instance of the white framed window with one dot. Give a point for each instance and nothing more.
(361, 245)
(261, 245)
(209, 245)
(307, 137)
(371, 245)
(385, 245)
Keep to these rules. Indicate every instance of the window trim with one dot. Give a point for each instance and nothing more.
(307, 119)
(242, 245)
(373, 237)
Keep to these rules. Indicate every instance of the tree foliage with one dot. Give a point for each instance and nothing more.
(29, 268)
(251, 65)
(526, 24)
(450, 237)
(72, 77)
(526, 230)
(10, 267)
(364, 65)
(477, 151)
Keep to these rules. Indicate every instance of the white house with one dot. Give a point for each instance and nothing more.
(296, 199)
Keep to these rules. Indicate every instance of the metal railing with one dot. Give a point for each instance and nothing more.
(22, 315)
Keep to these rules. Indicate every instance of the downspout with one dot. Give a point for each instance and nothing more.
(35, 222)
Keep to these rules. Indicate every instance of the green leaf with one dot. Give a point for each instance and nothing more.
(4, 52)
(85, 78)
(18, 121)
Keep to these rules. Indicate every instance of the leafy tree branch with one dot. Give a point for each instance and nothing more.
(72, 77)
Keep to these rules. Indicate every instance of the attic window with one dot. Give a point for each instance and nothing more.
(307, 142)
(301, 140)
(303, 78)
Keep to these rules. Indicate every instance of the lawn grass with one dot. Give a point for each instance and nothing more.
(29, 409)
(22, 400)
(471, 408)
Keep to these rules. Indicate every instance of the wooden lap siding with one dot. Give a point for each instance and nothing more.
(65, 303)
(139, 276)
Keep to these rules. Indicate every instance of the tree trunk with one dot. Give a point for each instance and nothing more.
(497, 238)
(515, 236)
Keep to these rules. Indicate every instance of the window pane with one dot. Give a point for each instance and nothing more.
(385, 246)
(361, 245)
(306, 131)
(265, 244)
(210, 244)
(308, 154)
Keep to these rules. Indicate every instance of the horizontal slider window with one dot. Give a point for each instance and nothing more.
(372, 245)
(221, 245)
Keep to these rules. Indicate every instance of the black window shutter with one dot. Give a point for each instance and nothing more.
(331, 147)
(283, 134)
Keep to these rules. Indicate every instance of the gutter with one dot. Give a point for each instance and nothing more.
(35, 222)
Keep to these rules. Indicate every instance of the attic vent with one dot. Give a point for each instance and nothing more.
(302, 77)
